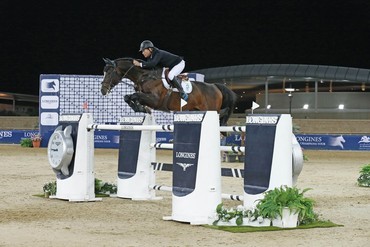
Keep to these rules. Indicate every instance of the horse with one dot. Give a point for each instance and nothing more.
(150, 93)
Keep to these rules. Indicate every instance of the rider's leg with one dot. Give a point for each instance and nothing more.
(177, 83)
(172, 75)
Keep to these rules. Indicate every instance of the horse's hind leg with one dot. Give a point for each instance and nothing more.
(224, 116)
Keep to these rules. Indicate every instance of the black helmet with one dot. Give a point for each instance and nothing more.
(146, 44)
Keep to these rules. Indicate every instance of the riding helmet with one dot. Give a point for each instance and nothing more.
(146, 44)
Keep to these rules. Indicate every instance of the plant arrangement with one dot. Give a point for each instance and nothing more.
(225, 215)
(36, 137)
(364, 178)
(100, 188)
(104, 187)
(50, 188)
(36, 140)
(26, 142)
(274, 201)
(271, 207)
(239, 213)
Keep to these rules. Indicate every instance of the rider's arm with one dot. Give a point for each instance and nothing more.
(152, 61)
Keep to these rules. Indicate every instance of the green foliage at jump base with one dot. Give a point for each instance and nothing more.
(101, 188)
(364, 178)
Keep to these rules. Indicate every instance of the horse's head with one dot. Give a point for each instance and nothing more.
(114, 71)
(112, 76)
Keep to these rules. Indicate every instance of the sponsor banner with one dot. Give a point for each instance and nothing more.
(110, 139)
(316, 141)
(164, 137)
(102, 138)
(335, 142)
(186, 152)
(106, 139)
(15, 136)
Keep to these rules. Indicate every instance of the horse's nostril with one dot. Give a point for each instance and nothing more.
(103, 91)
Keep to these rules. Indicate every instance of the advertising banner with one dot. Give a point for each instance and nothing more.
(335, 142)
(318, 141)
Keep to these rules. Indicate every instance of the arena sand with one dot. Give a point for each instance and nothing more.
(28, 220)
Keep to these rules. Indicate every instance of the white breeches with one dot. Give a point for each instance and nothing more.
(176, 70)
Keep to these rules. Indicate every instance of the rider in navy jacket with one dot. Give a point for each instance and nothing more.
(156, 57)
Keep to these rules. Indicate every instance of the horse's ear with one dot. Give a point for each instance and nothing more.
(109, 62)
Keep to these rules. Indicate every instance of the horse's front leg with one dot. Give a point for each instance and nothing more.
(150, 100)
(133, 101)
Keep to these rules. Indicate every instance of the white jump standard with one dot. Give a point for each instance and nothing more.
(71, 156)
(196, 186)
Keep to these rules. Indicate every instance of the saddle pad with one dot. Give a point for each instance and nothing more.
(186, 84)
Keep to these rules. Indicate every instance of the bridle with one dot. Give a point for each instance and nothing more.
(113, 64)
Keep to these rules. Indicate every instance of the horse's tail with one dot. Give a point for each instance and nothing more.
(229, 99)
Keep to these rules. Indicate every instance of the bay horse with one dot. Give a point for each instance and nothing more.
(151, 93)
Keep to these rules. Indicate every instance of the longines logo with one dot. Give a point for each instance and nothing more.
(309, 138)
(5, 134)
(185, 155)
(69, 118)
(138, 120)
(49, 102)
(188, 117)
(184, 165)
(262, 120)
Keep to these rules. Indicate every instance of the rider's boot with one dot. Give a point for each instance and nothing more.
(177, 83)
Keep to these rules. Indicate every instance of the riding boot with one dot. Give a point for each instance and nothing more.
(177, 83)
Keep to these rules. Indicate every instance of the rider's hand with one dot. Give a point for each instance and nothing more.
(136, 63)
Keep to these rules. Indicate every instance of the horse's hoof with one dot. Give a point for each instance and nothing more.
(148, 110)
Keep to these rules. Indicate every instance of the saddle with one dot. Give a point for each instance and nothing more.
(185, 81)
(183, 77)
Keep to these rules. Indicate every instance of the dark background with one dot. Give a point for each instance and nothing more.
(72, 37)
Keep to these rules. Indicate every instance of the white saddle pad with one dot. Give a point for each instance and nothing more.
(186, 84)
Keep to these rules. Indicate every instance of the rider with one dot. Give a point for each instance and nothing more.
(163, 58)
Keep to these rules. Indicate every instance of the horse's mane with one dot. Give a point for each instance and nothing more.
(125, 58)
(138, 59)
(157, 71)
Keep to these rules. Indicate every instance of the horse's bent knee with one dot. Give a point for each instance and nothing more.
(127, 98)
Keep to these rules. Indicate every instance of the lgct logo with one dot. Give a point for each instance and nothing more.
(50, 85)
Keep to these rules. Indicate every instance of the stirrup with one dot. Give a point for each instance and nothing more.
(184, 96)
